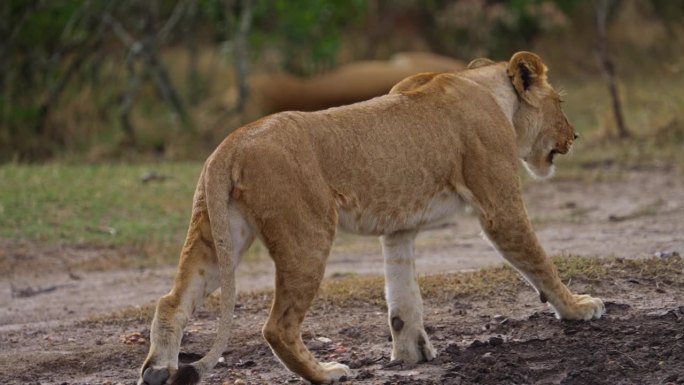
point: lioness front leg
(504, 220)
(410, 343)
(516, 242)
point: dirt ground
(60, 324)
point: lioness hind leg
(197, 277)
(296, 287)
(410, 342)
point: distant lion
(391, 166)
(348, 83)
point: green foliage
(307, 34)
(48, 29)
(66, 74)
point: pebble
(667, 254)
(495, 341)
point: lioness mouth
(552, 153)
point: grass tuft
(353, 289)
(571, 267)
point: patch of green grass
(96, 204)
(104, 205)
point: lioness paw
(583, 307)
(412, 346)
(153, 376)
(335, 371)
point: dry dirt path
(637, 214)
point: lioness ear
(526, 70)
(480, 62)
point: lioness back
(384, 161)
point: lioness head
(542, 127)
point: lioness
(390, 166)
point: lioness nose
(576, 135)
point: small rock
(495, 341)
(452, 349)
(150, 176)
(488, 358)
(667, 254)
(133, 338)
(364, 375)
(394, 364)
(315, 345)
(351, 331)
(325, 340)
(615, 218)
(662, 313)
(341, 350)
(246, 364)
(240, 382)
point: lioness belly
(379, 219)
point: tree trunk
(193, 77)
(608, 67)
(240, 52)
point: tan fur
(391, 166)
(480, 62)
(349, 83)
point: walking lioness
(390, 166)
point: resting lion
(349, 83)
(390, 166)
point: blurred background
(93, 81)
(109, 108)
